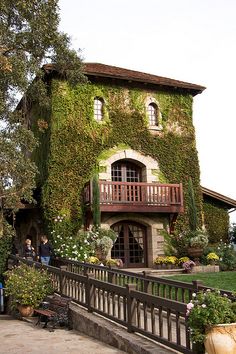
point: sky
(187, 40)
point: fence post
(197, 284)
(147, 286)
(111, 276)
(131, 307)
(63, 280)
(90, 292)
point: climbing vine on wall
(216, 222)
(76, 141)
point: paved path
(20, 337)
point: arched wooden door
(130, 245)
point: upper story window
(153, 114)
(98, 108)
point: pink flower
(190, 305)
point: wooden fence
(158, 286)
(153, 307)
(155, 317)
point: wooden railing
(154, 307)
(157, 286)
(119, 196)
(157, 318)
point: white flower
(204, 306)
(194, 294)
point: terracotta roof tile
(103, 70)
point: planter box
(206, 269)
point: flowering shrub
(208, 308)
(182, 260)
(27, 285)
(80, 246)
(104, 244)
(188, 265)
(227, 256)
(171, 260)
(74, 248)
(93, 260)
(212, 257)
(103, 239)
(114, 262)
(198, 238)
(159, 260)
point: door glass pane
(118, 250)
(136, 251)
(129, 245)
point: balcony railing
(137, 197)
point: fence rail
(153, 307)
(155, 317)
(157, 286)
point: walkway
(20, 337)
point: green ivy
(75, 142)
(216, 222)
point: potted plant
(171, 261)
(212, 258)
(159, 261)
(103, 240)
(181, 260)
(93, 260)
(27, 287)
(188, 266)
(114, 263)
(197, 241)
(211, 318)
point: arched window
(153, 114)
(98, 108)
(125, 171)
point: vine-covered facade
(135, 133)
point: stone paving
(20, 337)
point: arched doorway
(130, 245)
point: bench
(55, 311)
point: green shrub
(27, 285)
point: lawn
(221, 280)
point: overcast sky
(188, 40)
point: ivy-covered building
(119, 150)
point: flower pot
(221, 339)
(195, 252)
(25, 310)
(100, 254)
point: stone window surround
(98, 108)
(147, 164)
(152, 100)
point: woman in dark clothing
(45, 250)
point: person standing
(28, 251)
(45, 250)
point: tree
(29, 38)
(192, 209)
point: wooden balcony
(137, 197)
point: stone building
(122, 145)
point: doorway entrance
(130, 245)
